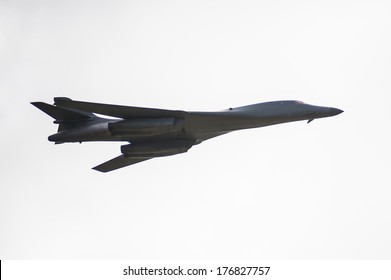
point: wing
(125, 112)
(118, 162)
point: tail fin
(63, 116)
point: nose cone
(334, 111)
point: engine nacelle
(90, 131)
(147, 127)
(157, 149)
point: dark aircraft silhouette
(158, 133)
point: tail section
(62, 114)
(65, 117)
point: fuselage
(192, 126)
(205, 124)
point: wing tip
(38, 104)
(100, 169)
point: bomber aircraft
(157, 133)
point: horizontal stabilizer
(62, 114)
(125, 112)
(118, 162)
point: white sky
(292, 191)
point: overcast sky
(292, 191)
